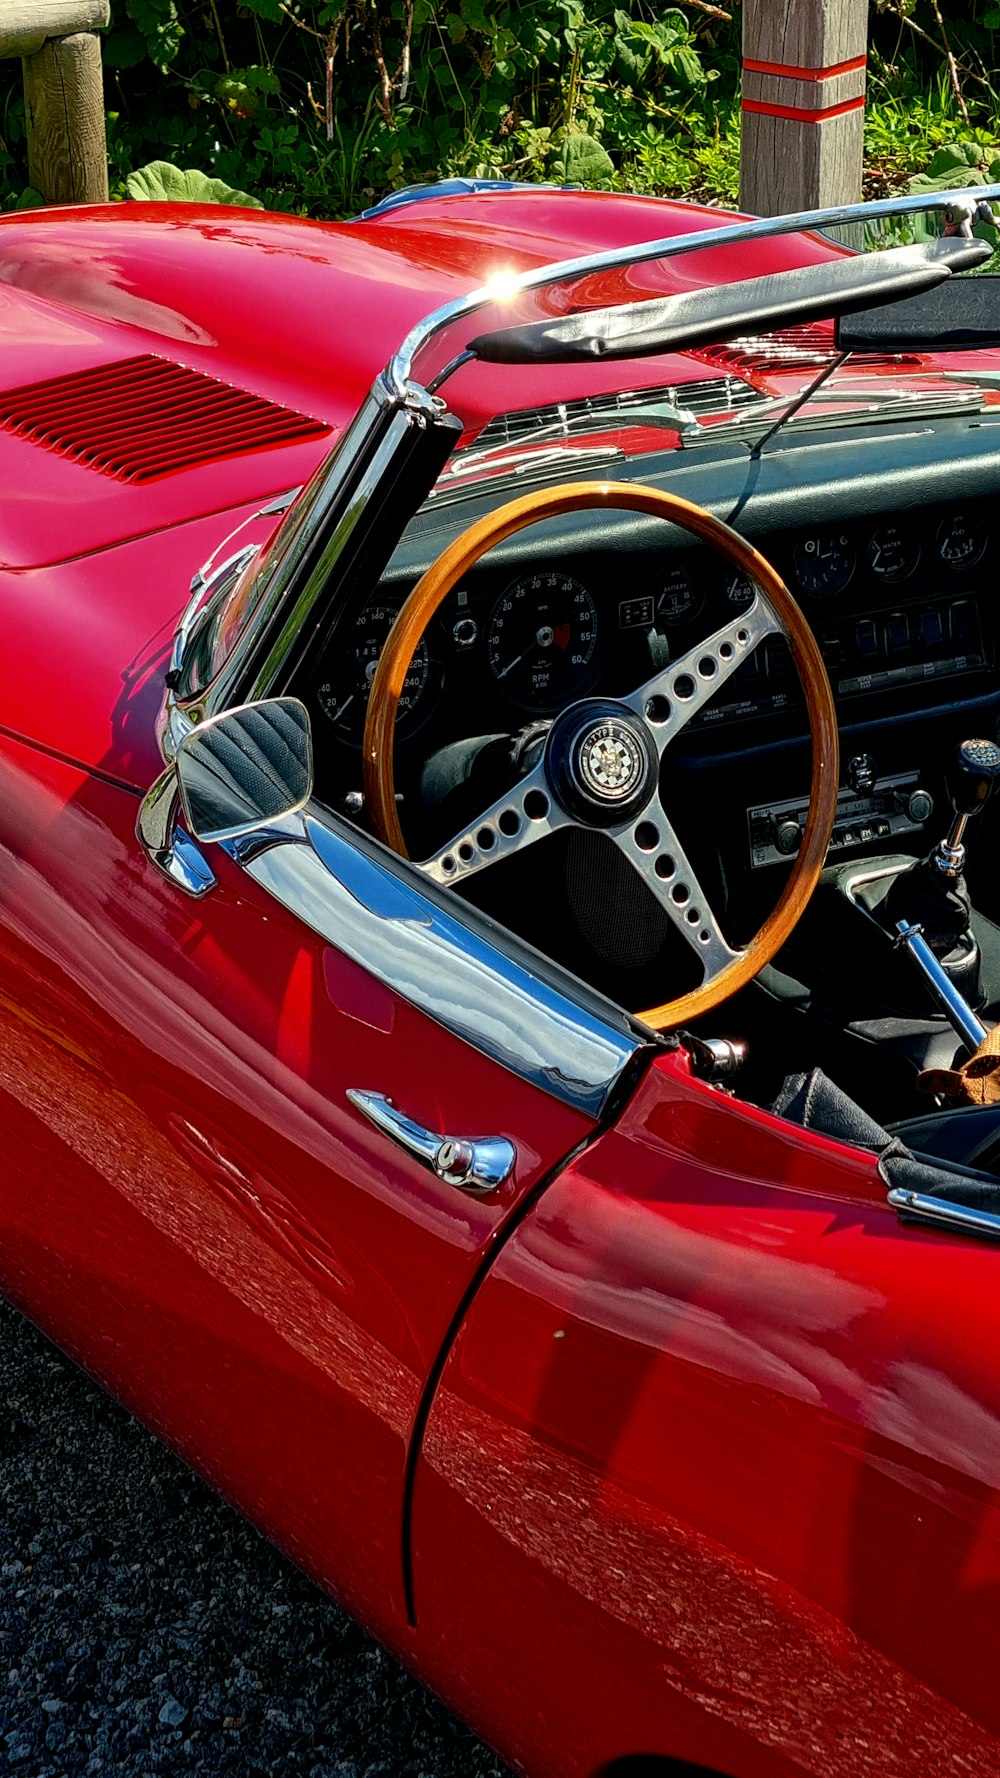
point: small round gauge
(893, 552)
(678, 600)
(824, 563)
(541, 638)
(343, 696)
(739, 592)
(961, 540)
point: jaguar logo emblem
(610, 761)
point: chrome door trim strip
(956, 1219)
(406, 939)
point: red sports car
(497, 936)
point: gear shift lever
(974, 772)
(932, 895)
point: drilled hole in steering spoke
(657, 709)
(726, 651)
(680, 893)
(466, 852)
(448, 864)
(692, 916)
(665, 867)
(536, 805)
(486, 839)
(707, 668)
(647, 837)
(684, 687)
(509, 823)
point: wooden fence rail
(63, 93)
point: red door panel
(189, 1204)
(715, 1465)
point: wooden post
(803, 104)
(63, 92)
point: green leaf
(954, 158)
(161, 183)
(631, 62)
(259, 80)
(685, 67)
(30, 199)
(579, 160)
(160, 27)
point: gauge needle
(510, 667)
(344, 706)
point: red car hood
(299, 315)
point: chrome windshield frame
(399, 372)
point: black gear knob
(974, 771)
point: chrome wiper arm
(869, 407)
(400, 369)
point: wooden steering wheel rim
(433, 588)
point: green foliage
(324, 106)
(594, 92)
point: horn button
(601, 763)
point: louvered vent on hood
(145, 417)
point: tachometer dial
(894, 552)
(961, 540)
(541, 640)
(343, 696)
(824, 563)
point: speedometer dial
(541, 640)
(343, 695)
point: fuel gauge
(962, 540)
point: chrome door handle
(478, 1165)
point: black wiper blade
(713, 315)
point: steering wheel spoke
(668, 701)
(652, 847)
(524, 814)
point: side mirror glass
(245, 769)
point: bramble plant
(324, 106)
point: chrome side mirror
(245, 768)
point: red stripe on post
(792, 73)
(798, 115)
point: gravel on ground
(145, 1627)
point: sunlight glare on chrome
(501, 285)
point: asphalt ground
(146, 1628)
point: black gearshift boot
(940, 905)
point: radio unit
(892, 807)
